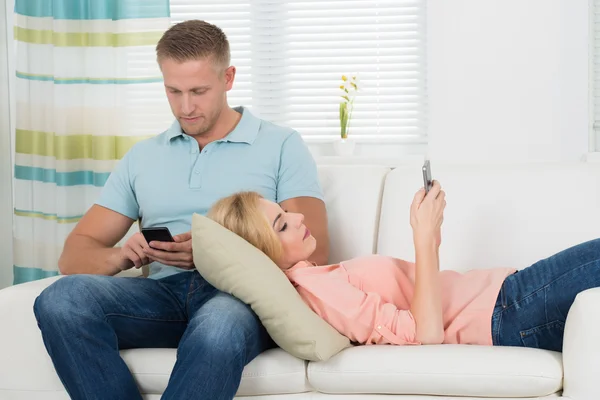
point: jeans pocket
(548, 336)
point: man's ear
(229, 77)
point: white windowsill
(593, 157)
(389, 162)
(386, 151)
(372, 139)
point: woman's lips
(307, 233)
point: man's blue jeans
(532, 306)
(86, 319)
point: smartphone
(158, 234)
(427, 181)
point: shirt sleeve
(117, 193)
(298, 175)
(361, 316)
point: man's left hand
(177, 254)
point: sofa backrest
(497, 215)
(353, 198)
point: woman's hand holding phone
(427, 215)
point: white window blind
(290, 56)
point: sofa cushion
(234, 266)
(272, 372)
(450, 370)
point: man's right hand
(132, 253)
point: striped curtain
(87, 89)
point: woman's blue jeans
(533, 303)
(86, 319)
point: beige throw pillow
(234, 266)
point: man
(210, 151)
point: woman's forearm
(426, 305)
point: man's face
(196, 91)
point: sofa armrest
(581, 347)
(24, 362)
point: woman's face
(297, 242)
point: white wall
(5, 157)
(508, 80)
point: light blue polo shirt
(165, 179)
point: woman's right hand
(427, 215)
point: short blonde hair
(194, 40)
(241, 214)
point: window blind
(291, 55)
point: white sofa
(497, 215)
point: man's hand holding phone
(132, 253)
(177, 253)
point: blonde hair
(241, 214)
(193, 40)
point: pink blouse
(368, 299)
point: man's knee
(228, 326)
(60, 301)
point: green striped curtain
(88, 87)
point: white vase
(344, 147)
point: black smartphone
(427, 181)
(158, 234)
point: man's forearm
(84, 255)
(427, 303)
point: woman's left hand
(427, 214)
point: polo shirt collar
(174, 131)
(245, 131)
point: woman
(384, 300)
